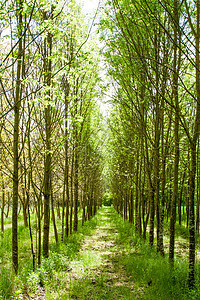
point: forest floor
(105, 259)
(97, 272)
(104, 277)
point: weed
(6, 285)
(149, 269)
(5, 243)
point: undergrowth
(27, 282)
(148, 269)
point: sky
(89, 9)
(89, 6)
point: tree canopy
(58, 151)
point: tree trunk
(192, 218)
(125, 205)
(53, 213)
(131, 206)
(176, 134)
(137, 194)
(2, 205)
(63, 212)
(84, 202)
(181, 196)
(58, 208)
(193, 147)
(17, 106)
(164, 153)
(8, 205)
(47, 162)
(31, 237)
(152, 214)
(71, 193)
(187, 205)
(198, 192)
(66, 171)
(76, 188)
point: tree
(17, 106)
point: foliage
(6, 284)
(149, 269)
(53, 136)
(28, 281)
(107, 199)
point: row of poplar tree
(50, 145)
(152, 49)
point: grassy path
(103, 260)
(97, 272)
(113, 263)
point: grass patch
(6, 285)
(151, 274)
(28, 282)
(5, 245)
(156, 275)
(150, 270)
(98, 287)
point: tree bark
(176, 134)
(17, 106)
(53, 213)
(47, 162)
(2, 205)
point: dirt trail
(98, 273)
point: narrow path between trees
(97, 273)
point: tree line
(50, 143)
(152, 52)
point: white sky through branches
(89, 9)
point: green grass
(153, 272)
(6, 287)
(5, 245)
(97, 288)
(94, 278)
(150, 272)
(60, 254)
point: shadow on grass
(148, 269)
(99, 287)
